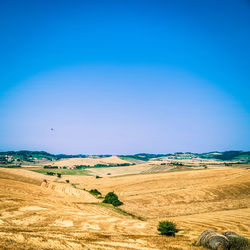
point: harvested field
(191, 162)
(56, 215)
(149, 168)
(45, 217)
(236, 220)
(88, 161)
(178, 193)
(115, 171)
(69, 190)
(24, 175)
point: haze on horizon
(125, 77)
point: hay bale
(230, 234)
(213, 240)
(236, 241)
(202, 239)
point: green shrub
(167, 228)
(59, 175)
(50, 167)
(67, 181)
(238, 243)
(11, 166)
(50, 173)
(95, 192)
(173, 163)
(97, 177)
(112, 198)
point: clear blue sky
(123, 77)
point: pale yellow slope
(89, 161)
(178, 193)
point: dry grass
(57, 216)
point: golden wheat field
(56, 215)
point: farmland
(60, 215)
(62, 171)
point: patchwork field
(56, 215)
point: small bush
(59, 175)
(112, 198)
(50, 167)
(95, 192)
(67, 181)
(97, 177)
(51, 173)
(167, 228)
(238, 243)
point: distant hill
(33, 156)
(85, 162)
(227, 155)
(142, 156)
(25, 155)
(36, 156)
(224, 156)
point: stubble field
(57, 215)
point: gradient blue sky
(123, 77)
